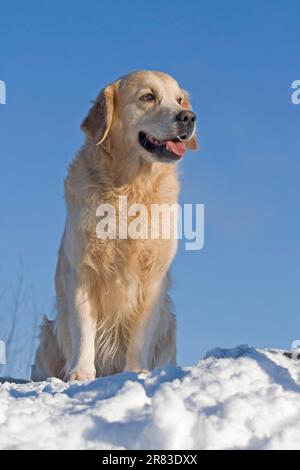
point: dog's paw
(80, 376)
(143, 373)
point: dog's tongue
(176, 147)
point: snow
(239, 398)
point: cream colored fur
(113, 308)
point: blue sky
(238, 60)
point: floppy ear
(97, 123)
(191, 144)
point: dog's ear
(98, 122)
(191, 144)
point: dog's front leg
(82, 325)
(137, 356)
(141, 338)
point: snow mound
(239, 398)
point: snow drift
(241, 398)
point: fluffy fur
(113, 308)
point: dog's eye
(180, 100)
(148, 97)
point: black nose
(187, 117)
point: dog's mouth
(164, 150)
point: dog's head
(145, 113)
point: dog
(114, 312)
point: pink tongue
(176, 147)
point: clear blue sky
(238, 60)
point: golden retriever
(114, 313)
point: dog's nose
(186, 117)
